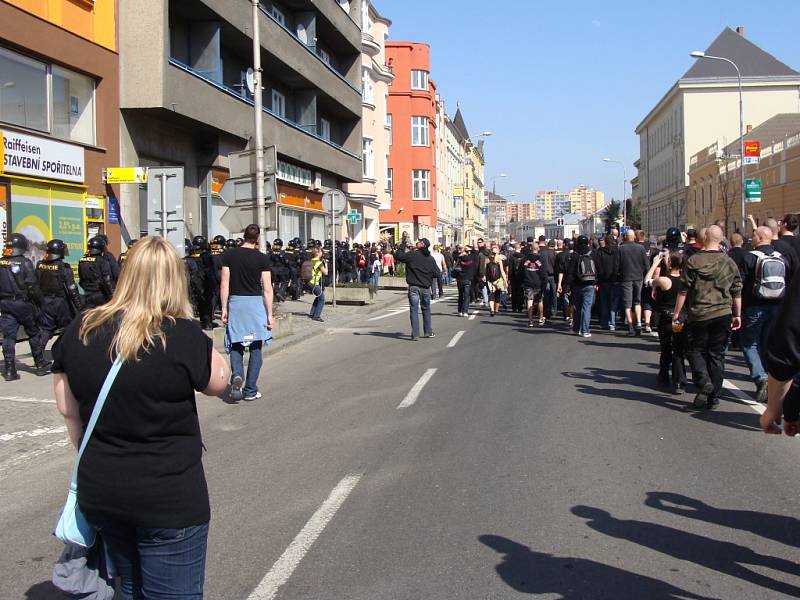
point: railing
(246, 99)
(308, 49)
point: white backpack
(769, 282)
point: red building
(412, 156)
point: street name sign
(752, 190)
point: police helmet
(298, 242)
(278, 243)
(199, 242)
(231, 243)
(239, 241)
(56, 249)
(219, 241)
(17, 244)
(96, 245)
(673, 237)
(328, 242)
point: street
(493, 461)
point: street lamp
(495, 178)
(699, 55)
(624, 188)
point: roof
(460, 125)
(751, 60)
(770, 131)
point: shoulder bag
(72, 526)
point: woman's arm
(68, 407)
(266, 284)
(224, 292)
(220, 375)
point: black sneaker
(429, 335)
(414, 338)
(702, 399)
(631, 332)
(236, 388)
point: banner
(40, 157)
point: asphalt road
(503, 463)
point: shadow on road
(572, 578)
(724, 557)
(780, 528)
(44, 591)
(395, 335)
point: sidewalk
(304, 328)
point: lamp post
(699, 55)
(494, 179)
(624, 188)
(259, 130)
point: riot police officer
(124, 256)
(204, 282)
(294, 255)
(61, 301)
(217, 250)
(107, 256)
(231, 243)
(280, 270)
(19, 297)
(95, 274)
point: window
(420, 184)
(388, 125)
(278, 104)
(73, 106)
(302, 35)
(278, 15)
(367, 88)
(419, 131)
(389, 180)
(323, 54)
(419, 80)
(23, 91)
(367, 158)
(325, 129)
(366, 22)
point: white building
(703, 106)
(451, 156)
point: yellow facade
(93, 20)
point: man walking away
(421, 271)
(764, 276)
(607, 259)
(533, 281)
(438, 283)
(712, 286)
(465, 268)
(633, 265)
(582, 271)
(246, 296)
(547, 256)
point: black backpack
(587, 271)
(493, 272)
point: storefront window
(316, 227)
(23, 91)
(73, 106)
(290, 223)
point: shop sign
(294, 174)
(458, 192)
(752, 152)
(125, 175)
(39, 157)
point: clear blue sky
(563, 84)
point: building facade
(451, 156)
(374, 192)
(59, 121)
(551, 204)
(585, 201)
(496, 223)
(412, 158)
(702, 106)
(715, 177)
(187, 100)
(475, 194)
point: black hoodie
(607, 259)
(421, 267)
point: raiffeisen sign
(41, 158)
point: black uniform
(19, 299)
(96, 279)
(61, 301)
(280, 273)
(203, 282)
(293, 262)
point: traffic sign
(752, 190)
(354, 216)
(752, 152)
(334, 200)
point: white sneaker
(586, 335)
(252, 397)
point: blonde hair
(152, 287)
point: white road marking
(7, 437)
(283, 568)
(473, 315)
(23, 458)
(455, 339)
(412, 395)
(391, 313)
(26, 400)
(743, 396)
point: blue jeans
(253, 365)
(156, 562)
(374, 279)
(753, 336)
(608, 301)
(319, 301)
(584, 297)
(419, 298)
(550, 297)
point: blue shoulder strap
(98, 406)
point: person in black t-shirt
(141, 481)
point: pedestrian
(438, 283)
(533, 281)
(388, 263)
(448, 261)
(547, 256)
(375, 270)
(608, 274)
(497, 280)
(20, 297)
(582, 275)
(711, 290)
(633, 264)
(465, 268)
(154, 517)
(563, 260)
(764, 273)
(95, 275)
(421, 270)
(246, 295)
(204, 284)
(671, 339)
(479, 285)
(318, 271)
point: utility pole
(259, 135)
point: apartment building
(374, 191)
(187, 100)
(496, 223)
(702, 106)
(585, 201)
(412, 158)
(551, 204)
(521, 211)
(59, 121)
(451, 157)
(715, 178)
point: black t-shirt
(143, 462)
(246, 265)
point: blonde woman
(140, 481)
(497, 279)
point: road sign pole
(333, 248)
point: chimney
(740, 30)
(749, 128)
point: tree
(634, 216)
(611, 214)
(726, 195)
